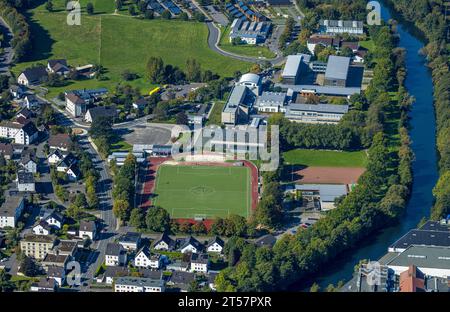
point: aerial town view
(224, 146)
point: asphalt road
(8, 52)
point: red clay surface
(149, 178)
(330, 175)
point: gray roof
(179, 277)
(271, 98)
(320, 108)
(199, 258)
(423, 238)
(328, 90)
(130, 237)
(328, 192)
(337, 67)
(236, 98)
(115, 271)
(87, 226)
(292, 65)
(423, 257)
(435, 226)
(335, 23)
(55, 271)
(113, 249)
(140, 281)
(25, 177)
(8, 209)
(250, 77)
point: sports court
(202, 191)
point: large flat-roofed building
(292, 68)
(337, 71)
(420, 237)
(271, 102)
(333, 27)
(431, 260)
(249, 32)
(11, 210)
(138, 284)
(324, 193)
(238, 105)
(37, 246)
(315, 113)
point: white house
(115, 255)
(191, 245)
(42, 228)
(87, 229)
(45, 284)
(130, 241)
(58, 67)
(75, 105)
(25, 182)
(66, 163)
(139, 284)
(24, 134)
(29, 162)
(215, 245)
(199, 263)
(54, 220)
(58, 273)
(164, 242)
(55, 157)
(73, 173)
(11, 210)
(32, 76)
(31, 101)
(144, 259)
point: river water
(419, 84)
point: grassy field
(321, 158)
(203, 191)
(243, 49)
(120, 42)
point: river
(423, 127)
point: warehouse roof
(423, 257)
(337, 67)
(321, 108)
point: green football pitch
(203, 191)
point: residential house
(139, 103)
(58, 67)
(130, 241)
(87, 229)
(100, 111)
(24, 134)
(164, 242)
(111, 273)
(7, 151)
(37, 246)
(29, 161)
(57, 273)
(216, 244)
(51, 259)
(66, 247)
(178, 266)
(66, 163)
(144, 259)
(139, 284)
(31, 101)
(180, 280)
(199, 262)
(73, 173)
(115, 255)
(55, 157)
(191, 245)
(11, 210)
(17, 91)
(32, 76)
(42, 228)
(75, 105)
(25, 182)
(53, 219)
(45, 284)
(25, 113)
(61, 141)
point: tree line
(21, 42)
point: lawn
(216, 113)
(243, 49)
(203, 191)
(321, 158)
(120, 42)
